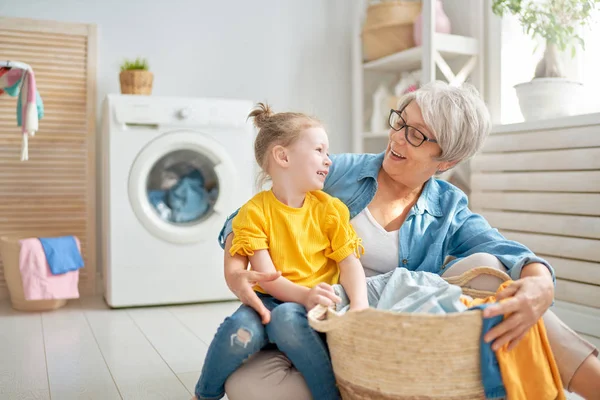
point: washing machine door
(181, 185)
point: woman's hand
(321, 294)
(241, 283)
(526, 300)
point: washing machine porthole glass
(182, 187)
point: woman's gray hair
(457, 116)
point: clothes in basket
(407, 291)
(39, 280)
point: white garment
(383, 254)
(402, 290)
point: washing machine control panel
(184, 113)
(196, 112)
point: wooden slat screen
(53, 193)
(541, 187)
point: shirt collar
(371, 168)
(429, 200)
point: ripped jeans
(243, 334)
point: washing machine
(173, 169)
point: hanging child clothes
(18, 79)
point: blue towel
(62, 254)
(490, 370)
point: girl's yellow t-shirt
(305, 243)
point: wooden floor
(88, 351)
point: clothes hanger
(15, 64)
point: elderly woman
(408, 219)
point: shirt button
(405, 261)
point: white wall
(293, 53)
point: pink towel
(38, 281)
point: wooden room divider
(53, 193)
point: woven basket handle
(317, 318)
(468, 276)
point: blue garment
(490, 370)
(440, 224)
(188, 199)
(243, 334)
(62, 254)
(14, 89)
(158, 199)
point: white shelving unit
(449, 46)
(435, 52)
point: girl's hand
(241, 283)
(526, 300)
(321, 294)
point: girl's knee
(288, 314)
(288, 324)
(244, 329)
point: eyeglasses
(413, 136)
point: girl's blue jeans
(243, 334)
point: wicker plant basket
(136, 82)
(380, 355)
(388, 28)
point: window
(519, 61)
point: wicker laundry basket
(10, 249)
(388, 28)
(379, 354)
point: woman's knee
(244, 330)
(483, 282)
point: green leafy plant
(137, 64)
(558, 22)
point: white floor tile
(181, 349)
(138, 370)
(204, 319)
(22, 355)
(76, 368)
(189, 379)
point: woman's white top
(381, 246)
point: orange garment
(529, 370)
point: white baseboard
(581, 319)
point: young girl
(304, 233)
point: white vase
(547, 98)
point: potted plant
(135, 77)
(549, 94)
